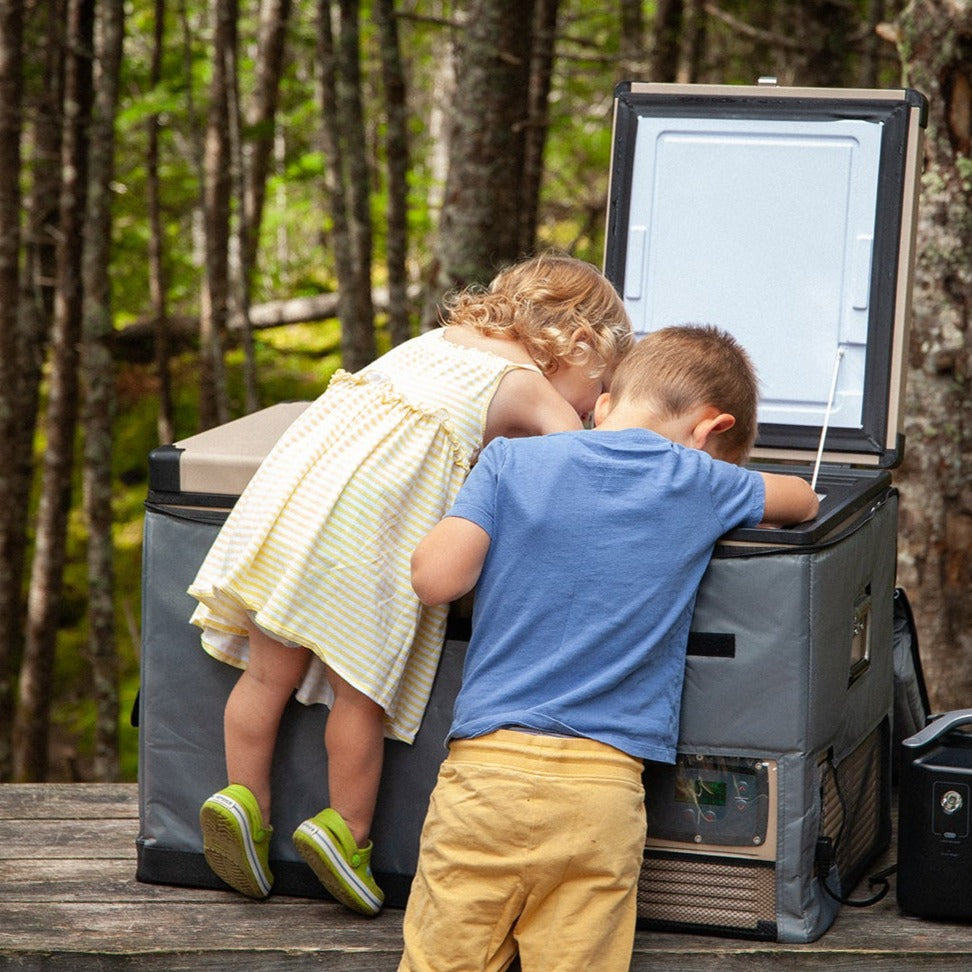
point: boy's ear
(602, 407)
(712, 423)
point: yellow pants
(532, 845)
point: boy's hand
(789, 499)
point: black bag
(911, 709)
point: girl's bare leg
(354, 738)
(253, 711)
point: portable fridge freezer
(785, 216)
(783, 765)
(192, 486)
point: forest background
(207, 205)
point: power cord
(827, 851)
(825, 857)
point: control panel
(725, 804)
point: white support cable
(826, 422)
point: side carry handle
(938, 728)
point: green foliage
(963, 166)
(295, 255)
(164, 101)
(295, 363)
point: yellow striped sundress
(316, 550)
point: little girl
(307, 585)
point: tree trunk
(632, 46)
(347, 177)
(43, 118)
(31, 728)
(538, 119)
(479, 227)
(869, 71)
(98, 376)
(11, 519)
(829, 26)
(441, 111)
(214, 303)
(260, 120)
(397, 152)
(358, 347)
(695, 46)
(769, 22)
(238, 282)
(935, 541)
(189, 29)
(158, 285)
(668, 37)
(333, 151)
(253, 165)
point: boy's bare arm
(789, 499)
(447, 562)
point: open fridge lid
(787, 217)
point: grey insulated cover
(789, 686)
(808, 679)
(181, 757)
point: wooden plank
(84, 880)
(61, 821)
(66, 801)
(283, 932)
(770, 960)
(69, 899)
(227, 923)
(71, 838)
(230, 925)
(186, 960)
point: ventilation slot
(854, 809)
(694, 891)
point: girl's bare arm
(526, 403)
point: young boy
(586, 550)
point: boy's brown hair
(678, 368)
(546, 303)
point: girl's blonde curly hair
(555, 306)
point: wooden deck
(69, 900)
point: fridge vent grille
(852, 808)
(711, 893)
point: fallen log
(136, 341)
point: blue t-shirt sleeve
(476, 500)
(738, 494)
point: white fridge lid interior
(788, 222)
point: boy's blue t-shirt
(598, 542)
